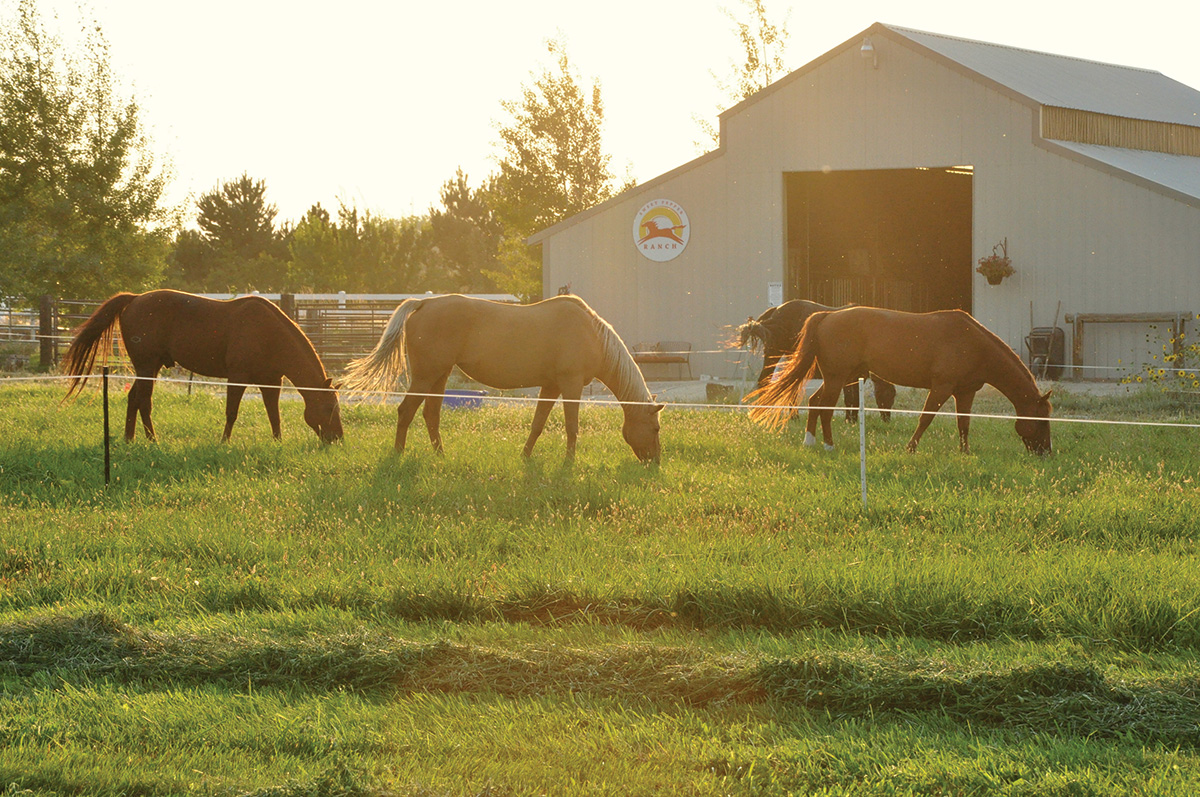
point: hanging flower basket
(996, 266)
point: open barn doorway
(898, 238)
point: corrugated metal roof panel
(1179, 173)
(1070, 82)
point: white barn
(881, 172)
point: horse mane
(752, 334)
(293, 329)
(1011, 358)
(628, 382)
(1006, 351)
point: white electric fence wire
(609, 401)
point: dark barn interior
(898, 238)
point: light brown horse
(247, 340)
(559, 345)
(947, 352)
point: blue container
(463, 399)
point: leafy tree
(244, 249)
(553, 166)
(763, 46)
(188, 261)
(81, 198)
(466, 236)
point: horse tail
(90, 338)
(384, 367)
(775, 402)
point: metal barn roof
(1069, 82)
(1178, 173)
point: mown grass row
(1069, 698)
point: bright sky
(378, 102)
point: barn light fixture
(868, 51)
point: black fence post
(106, 436)
(287, 303)
(46, 333)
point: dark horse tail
(92, 337)
(776, 402)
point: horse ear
(1047, 394)
(658, 407)
(328, 382)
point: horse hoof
(810, 439)
(828, 447)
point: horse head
(1035, 428)
(640, 430)
(323, 412)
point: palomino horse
(778, 329)
(246, 340)
(947, 352)
(559, 345)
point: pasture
(286, 618)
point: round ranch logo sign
(661, 230)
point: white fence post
(862, 439)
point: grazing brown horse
(777, 331)
(947, 352)
(247, 340)
(559, 345)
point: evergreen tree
(466, 236)
(316, 264)
(245, 252)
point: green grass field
(282, 618)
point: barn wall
(1078, 235)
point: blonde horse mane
(628, 382)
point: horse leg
(850, 394)
(270, 397)
(433, 412)
(885, 397)
(131, 410)
(933, 402)
(147, 404)
(962, 405)
(233, 401)
(139, 401)
(571, 417)
(821, 407)
(404, 416)
(770, 360)
(546, 398)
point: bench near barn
(675, 355)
